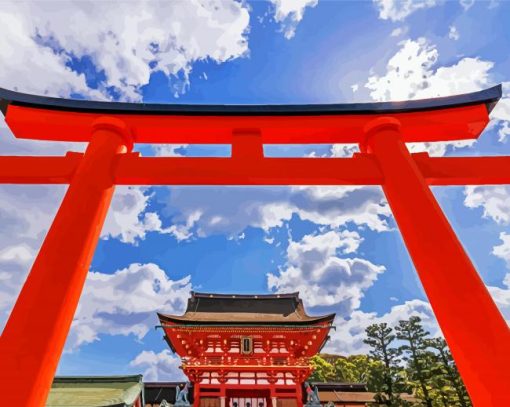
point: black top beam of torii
(489, 97)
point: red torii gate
(34, 336)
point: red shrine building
(246, 348)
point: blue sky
(338, 246)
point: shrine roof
(96, 391)
(226, 309)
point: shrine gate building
(246, 348)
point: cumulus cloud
(322, 277)
(127, 219)
(348, 336)
(412, 73)
(289, 13)
(494, 200)
(126, 302)
(503, 251)
(41, 40)
(162, 366)
(204, 211)
(398, 10)
(350, 332)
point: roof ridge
(195, 294)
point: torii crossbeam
(34, 336)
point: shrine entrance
(34, 336)
(248, 398)
(238, 348)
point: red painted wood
(34, 336)
(473, 327)
(475, 330)
(191, 343)
(431, 125)
(361, 169)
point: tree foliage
(388, 379)
(401, 360)
(419, 359)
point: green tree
(353, 369)
(323, 371)
(440, 391)
(414, 351)
(448, 371)
(387, 375)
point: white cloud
(494, 200)
(412, 73)
(453, 34)
(289, 13)
(322, 278)
(162, 366)
(349, 334)
(398, 10)
(503, 250)
(40, 37)
(167, 150)
(344, 150)
(30, 67)
(502, 295)
(204, 211)
(397, 32)
(126, 302)
(502, 113)
(127, 219)
(467, 4)
(439, 149)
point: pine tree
(451, 374)
(380, 338)
(441, 393)
(414, 351)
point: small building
(104, 391)
(349, 394)
(246, 350)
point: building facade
(246, 350)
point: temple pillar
(474, 329)
(34, 336)
(274, 401)
(223, 401)
(196, 393)
(299, 393)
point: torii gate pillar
(55, 283)
(476, 332)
